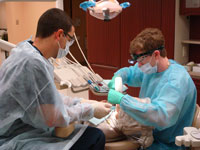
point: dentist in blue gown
(169, 86)
(30, 105)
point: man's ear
(58, 34)
(157, 54)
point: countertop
(195, 75)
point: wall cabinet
(108, 42)
(194, 49)
(189, 7)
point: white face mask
(148, 69)
(63, 52)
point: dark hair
(52, 20)
(147, 40)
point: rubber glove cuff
(114, 97)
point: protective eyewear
(141, 57)
(71, 37)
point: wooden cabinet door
(103, 47)
(103, 44)
(168, 25)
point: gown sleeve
(131, 76)
(43, 105)
(165, 107)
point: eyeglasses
(141, 57)
(71, 37)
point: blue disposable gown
(173, 100)
(31, 106)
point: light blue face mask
(63, 52)
(148, 69)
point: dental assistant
(169, 86)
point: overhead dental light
(104, 9)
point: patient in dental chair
(120, 125)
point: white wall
(181, 33)
(2, 15)
(59, 4)
(22, 18)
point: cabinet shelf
(191, 42)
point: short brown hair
(147, 40)
(52, 20)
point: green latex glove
(114, 97)
(111, 84)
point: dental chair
(191, 137)
(180, 140)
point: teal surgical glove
(114, 97)
(111, 84)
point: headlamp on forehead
(104, 9)
(136, 57)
